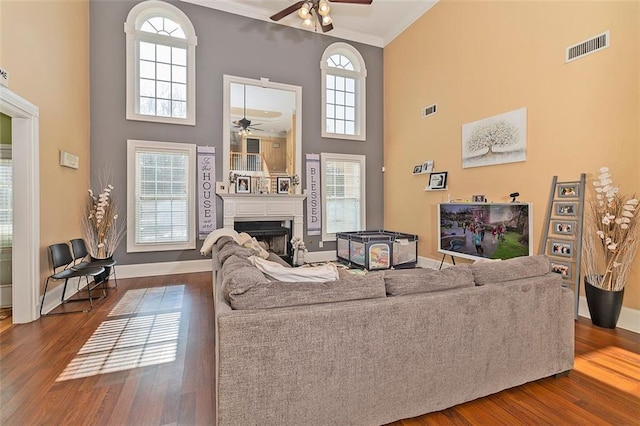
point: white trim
(362, 159)
(359, 75)
(26, 205)
(164, 268)
(190, 149)
(136, 17)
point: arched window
(343, 93)
(161, 57)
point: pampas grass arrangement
(101, 229)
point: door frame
(26, 205)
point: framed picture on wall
(438, 180)
(417, 169)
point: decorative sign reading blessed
(206, 194)
(314, 210)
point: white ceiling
(376, 24)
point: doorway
(26, 207)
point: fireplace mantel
(256, 207)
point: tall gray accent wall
(227, 44)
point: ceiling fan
(244, 124)
(320, 8)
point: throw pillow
(510, 269)
(401, 282)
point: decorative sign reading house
(206, 191)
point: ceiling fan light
(307, 22)
(323, 8)
(326, 20)
(304, 11)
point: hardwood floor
(603, 388)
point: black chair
(81, 254)
(61, 258)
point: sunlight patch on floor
(615, 366)
(134, 341)
(149, 300)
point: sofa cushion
(410, 281)
(276, 294)
(239, 275)
(511, 269)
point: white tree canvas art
(495, 140)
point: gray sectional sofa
(368, 350)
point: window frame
(362, 159)
(360, 76)
(139, 14)
(134, 146)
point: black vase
(103, 276)
(604, 305)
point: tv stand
(453, 260)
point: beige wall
(479, 59)
(45, 48)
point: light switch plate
(69, 160)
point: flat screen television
(485, 230)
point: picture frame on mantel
(283, 184)
(243, 185)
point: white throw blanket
(278, 272)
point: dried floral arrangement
(611, 236)
(101, 229)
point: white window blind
(6, 200)
(343, 193)
(161, 211)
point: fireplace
(275, 234)
(278, 210)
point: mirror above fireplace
(262, 128)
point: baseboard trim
(163, 268)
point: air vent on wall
(426, 111)
(587, 47)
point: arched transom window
(343, 93)
(160, 64)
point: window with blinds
(163, 202)
(343, 193)
(6, 198)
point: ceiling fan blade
(353, 1)
(284, 12)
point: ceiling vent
(587, 47)
(430, 110)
